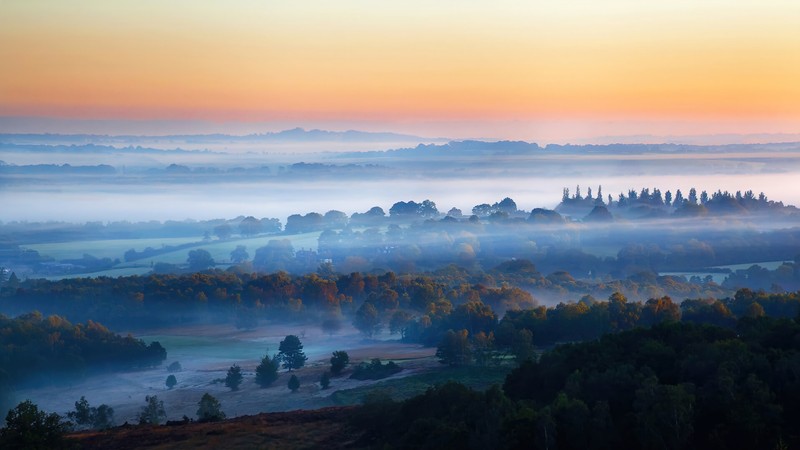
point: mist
(137, 184)
(205, 352)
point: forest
(675, 385)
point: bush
(294, 383)
(171, 381)
(209, 409)
(234, 377)
(375, 370)
(339, 361)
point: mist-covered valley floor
(206, 352)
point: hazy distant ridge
(476, 148)
(292, 135)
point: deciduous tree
(31, 429)
(154, 413)
(339, 361)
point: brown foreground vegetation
(322, 428)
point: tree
(522, 346)
(250, 226)
(692, 196)
(171, 381)
(209, 409)
(506, 205)
(31, 429)
(335, 219)
(367, 320)
(325, 381)
(103, 417)
(276, 255)
(200, 259)
(399, 322)
(294, 383)
(82, 414)
(339, 361)
(223, 231)
(454, 349)
(234, 377)
(239, 254)
(664, 415)
(153, 413)
(87, 416)
(331, 325)
(483, 349)
(267, 371)
(291, 353)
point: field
(407, 387)
(205, 354)
(116, 248)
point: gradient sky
(554, 69)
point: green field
(479, 378)
(111, 248)
(116, 248)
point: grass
(109, 248)
(407, 387)
(116, 248)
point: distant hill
(292, 135)
(522, 148)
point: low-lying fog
(152, 184)
(279, 199)
(205, 354)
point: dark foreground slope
(324, 428)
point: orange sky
(583, 63)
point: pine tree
(234, 377)
(267, 371)
(294, 383)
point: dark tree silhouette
(200, 259)
(339, 361)
(234, 377)
(294, 383)
(31, 429)
(154, 413)
(291, 353)
(267, 371)
(209, 409)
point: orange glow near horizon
(357, 60)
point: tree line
(36, 349)
(675, 385)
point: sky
(546, 70)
